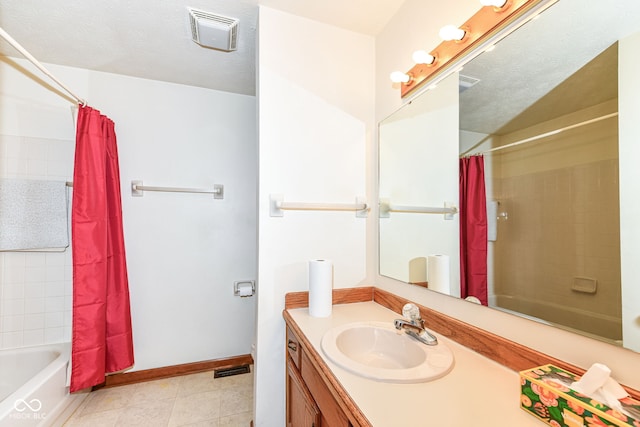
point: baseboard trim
(125, 378)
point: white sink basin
(378, 351)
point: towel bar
(277, 206)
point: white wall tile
(13, 273)
(53, 304)
(54, 320)
(34, 321)
(11, 339)
(35, 259)
(53, 335)
(13, 307)
(11, 323)
(33, 337)
(55, 289)
(34, 305)
(35, 274)
(34, 290)
(13, 291)
(54, 273)
(55, 259)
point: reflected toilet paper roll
(320, 287)
(438, 273)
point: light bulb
(494, 3)
(422, 57)
(451, 32)
(399, 77)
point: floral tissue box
(546, 394)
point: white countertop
(477, 392)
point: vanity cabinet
(310, 402)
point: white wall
(184, 251)
(418, 21)
(315, 124)
(425, 134)
(629, 153)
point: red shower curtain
(101, 335)
(473, 229)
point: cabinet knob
(292, 345)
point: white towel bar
(448, 210)
(277, 206)
(137, 189)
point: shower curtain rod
(550, 133)
(536, 137)
(35, 62)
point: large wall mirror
(553, 110)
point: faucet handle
(411, 312)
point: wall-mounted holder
(244, 288)
(277, 206)
(585, 285)
(138, 189)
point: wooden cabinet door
(302, 411)
(332, 414)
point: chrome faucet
(414, 327)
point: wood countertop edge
(510, 354)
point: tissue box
(546, 394)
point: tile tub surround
(196, 399)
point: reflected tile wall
(563, 223)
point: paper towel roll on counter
(438, 273)
(320, 287)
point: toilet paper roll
(245, 290)
(320, 287)
(438, 273)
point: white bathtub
(33, 389)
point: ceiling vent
(465, 82)
(214, 31)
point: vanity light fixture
(495, 3)
(483, 25)
(451, 32)
(423, 57)
(400, 77)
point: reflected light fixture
(451, 32)
(423, 57)
(399, 77)
(494, 3)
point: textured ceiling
(152, 39)
(548, 64)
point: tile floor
(190, 400)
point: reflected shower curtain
(473, 229)
(101, 335)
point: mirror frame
(486, 26)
